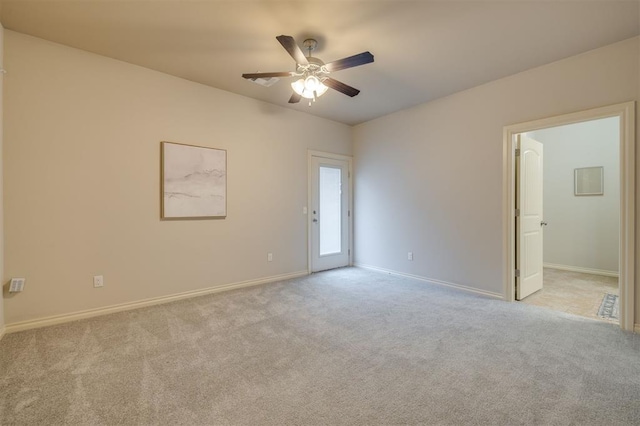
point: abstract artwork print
(194, 182)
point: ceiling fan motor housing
(315, 68)
(315, 64)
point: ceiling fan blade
(340, 87)
(350, 62)
(295, 98)
(290, 46)
(267, 75)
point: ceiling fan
(313, 74)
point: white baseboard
(59, 319)
(636, 328)
(433, 281)
(583, 270)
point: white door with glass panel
(329, 213)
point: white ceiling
(423, 49)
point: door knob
(315, 220)
(543, 223)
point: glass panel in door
(330, 210)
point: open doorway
(626, 231)
(580, 218)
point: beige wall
(82, 151)
(1, 186)
(429, 179)
(637, 247)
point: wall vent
(17, 285)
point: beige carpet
(574, 292)
(344, 347)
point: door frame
(626, 282)
(331, 156)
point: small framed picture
(589, 181)
(194, 182)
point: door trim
(626, 113)
(331, 156)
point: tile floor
(573, 292)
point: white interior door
(329, 213)
(529, 222)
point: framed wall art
(194, 182)
(589, 181)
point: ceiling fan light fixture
(309, 88)
(311, 83)
(312, 73)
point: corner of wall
(1, 185)
(637, 277)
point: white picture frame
(589, 181)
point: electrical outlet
(17, 285)
(410, 255)
(98, 281)
(269, 257)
